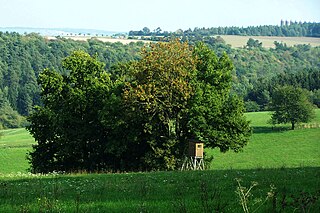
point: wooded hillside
(23, 57)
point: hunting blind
(196, 149)
(194, 158)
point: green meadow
(14, 144)
(274, 147)
(282, 167)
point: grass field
(284, 163)
(273, 148)
(205, 191)
(14, 144)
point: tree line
(288, 29)
(259, 97)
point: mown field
(268, 41)
(281, 165)
(233, 40)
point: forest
(286, 28)
(256, 72)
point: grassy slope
(273, 148)
(14, 144)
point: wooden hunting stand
(194, 160)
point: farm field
(233, 40)
(268, 41)
(104, 39)
(277, 161)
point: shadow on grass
(269, 129)
(155, 191)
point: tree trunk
(292, 125)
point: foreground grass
(199, 191)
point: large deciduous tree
(67, 128)
(215, 116)
(291, 105)
(158, 94)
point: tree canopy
(140, 117)
(291, 105)
(67, 128)
(216, 117)
(286, 28)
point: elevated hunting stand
(194, 160)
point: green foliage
(252, 106)
(158, 96)
(216, 117)
(9, 118)
(308, 79)
(291, 105)
(315, 95)
(253, 43)
(291, 29)
(178, 95)
(160, 100)
(22, 58)
(67, 128)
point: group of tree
(140, 115)
(291, 29)
(147, 32)
(259, 97)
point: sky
(169, 15)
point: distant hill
(58, 31)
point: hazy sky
(125, 15)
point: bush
(10, 118)
(252, 106)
